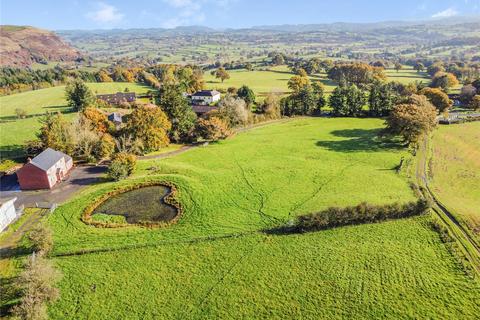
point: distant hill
(21, 46)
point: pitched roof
(203, 109)
(48, 158)
(205, 93)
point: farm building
(116, 118)
(45, 170)
(205, 97)
(119, 97)
(200, 110)
(8, 213)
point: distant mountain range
(21, 46)
(337, 26)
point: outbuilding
(45, 170)
(8, 213)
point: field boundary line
(468, 245)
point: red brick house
(45, 170)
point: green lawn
(14, 132)
(251, 182)
(456, 170)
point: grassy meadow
(14, 132)
(455, 171)
(275, 79)
(217, 263)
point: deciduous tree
(222, 74)
(444, 80)
(412, 119)
(438, 98)
(151, 125)
(212, 129)
(347, 100)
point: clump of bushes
(359, 214)
(42, 239)
(37, 284)
(123, 165)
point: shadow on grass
(9, 292)
(9, 295)
(359, 140)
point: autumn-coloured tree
(412, 120)
(212, 129)
(435, 68)
(103, 76)
(222, 74)
(475, 103)
(444, 80)
(123, 165)
(150, 125)
(438, 98)
(55, 132)
(270, 106)
(467, 93)
(296, 83)
(357, 73)
(37, 284)
(97, 118)
(105, 147)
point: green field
(275, 79)
(456, 171)
(217, 263)
(14, 132)
(53, 99)
(407, 75)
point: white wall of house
(61, 167)
(204, 100)
(7, 213)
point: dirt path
(12, 240)
(469, 246)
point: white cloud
(105, 14)
(447, 13)
(191, 12)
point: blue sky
(92, 14)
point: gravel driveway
(79, 178)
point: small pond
(140, 205)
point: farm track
(462, 236)
(16, 236)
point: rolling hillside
(21, 46)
